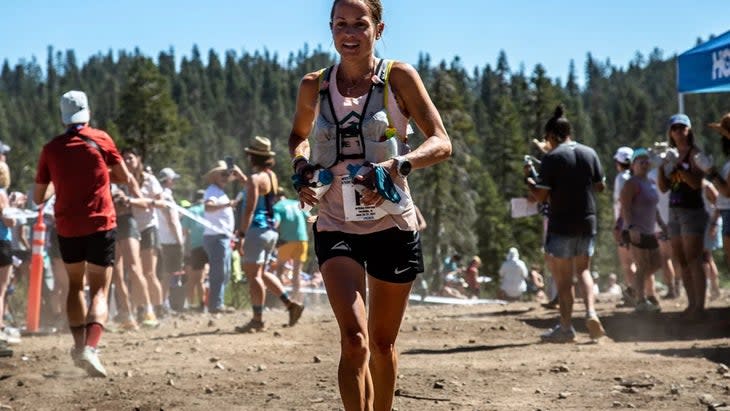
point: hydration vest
(375, 129)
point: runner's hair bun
(559, 111)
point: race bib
(354, 209)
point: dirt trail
(452, 358)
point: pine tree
(149, 117)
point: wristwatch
(403, 166)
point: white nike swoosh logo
(341, 246)
(401, 271)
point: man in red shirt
(78, 166)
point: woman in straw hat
(217, 241)
(721, 181)
(687, 216)
(258, 235)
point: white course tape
(14, 212)
(205, 223)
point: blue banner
(705, 68)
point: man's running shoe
(4, 350)
(595, 328)
(76, 354)
(559, 335)
(10, 336)
(652, 299)
(91, 363)
(251, 327)
(295, 312)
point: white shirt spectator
(167, 235)
(513, 275)
(147, 217)
(618, 184)
(222, 218)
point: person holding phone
(217, 239)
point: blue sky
(531, 32)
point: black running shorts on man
(390, 255)
(96, 248)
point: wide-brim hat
(260, 146)
(219, 166)
(723, 126)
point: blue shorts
(259, 244)
(687, 221)
(569, 246)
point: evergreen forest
(187, 113)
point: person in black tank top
(687, 215)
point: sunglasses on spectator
(676, 127)
(225, 173)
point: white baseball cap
(168, 174)
(623, 155)
(75, 108)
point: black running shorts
(390, 255)
(6, 253)
(96, 248)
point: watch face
(404, 168)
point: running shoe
(162, 311)
(9, 335)
(76, 356)
(149, 320)
(646, 306)
(628, 298)
(90, 361)
(652, 299)
(4, 350)
(295, 312)
(595, 328)
(552, 304)
(559, 335)
(222, 310)
(251, 327)
(129, 325)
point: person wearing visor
(681, 175)
(639, 198)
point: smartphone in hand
(229, 163)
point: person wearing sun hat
(216, 242)
(622, 159)
(682, 178)
(258, 235)
(721, 181)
